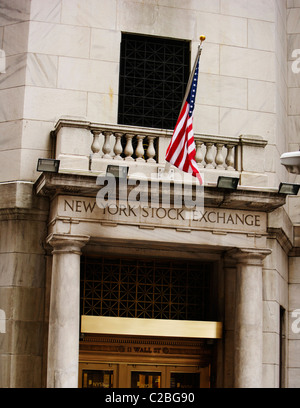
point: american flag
(181, 151)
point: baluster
(128, 148)
(219, 156)
(209, 156)
(95, 147)
(106, 145)
(199, 154)
(139, 151)
(118, 146)
(151, 149)
(230, 157)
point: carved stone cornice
(51, 185)
(282, 238)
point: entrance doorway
(113, 375)
(113, 361)
(144, 323)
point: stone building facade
(95, 296)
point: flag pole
(201, 38)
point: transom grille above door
(139, 288)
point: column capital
(250, 256)
(67, 243)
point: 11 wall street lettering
(207, 218)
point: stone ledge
(19, 195)
(49, 185)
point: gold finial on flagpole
(202, 38)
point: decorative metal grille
(145, 288)
(153, 77)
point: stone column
(64, 315)
(248, 343)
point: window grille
(153, 77)
(146, 288)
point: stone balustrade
(211, 152)
(126, 146)
(88, 147)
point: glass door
(150, 376)
(144, 376)
(184, 380)
(188, 377)
(98, 375)
(145, 379)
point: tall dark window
(153, 77)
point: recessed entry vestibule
(148, 322)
